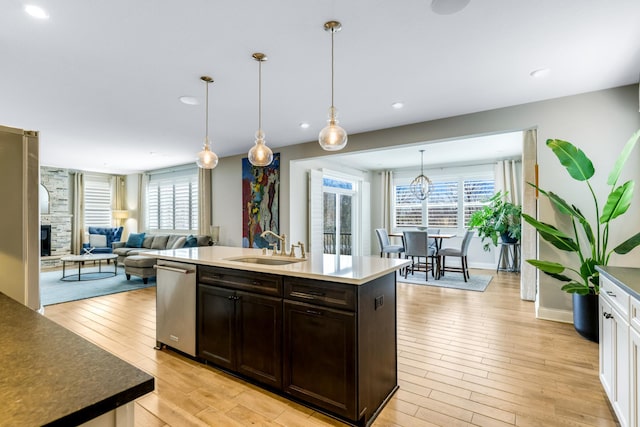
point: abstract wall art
(260, 202)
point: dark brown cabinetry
(241, 331)
(329, 344)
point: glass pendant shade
(332, 137)
(207, 159)
(260, 154)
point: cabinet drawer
(318, 292)
(267, 284)
(618, 298)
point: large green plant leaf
(586, 226)
(547, 266)
(628, 245)
(622, 158)
(618, 202)
(552, 235)
(576, 288)
(573, 159)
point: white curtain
(143, 182)
(508, 175)
(387, 198)
(77, 228)
(204, 201)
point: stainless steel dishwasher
(176, 306)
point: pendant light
(207, 159)
(260, 154)
(332, 137)
(421, 185)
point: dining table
(439, 237)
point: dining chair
(455, 252)
(416, 246)
(385, 244)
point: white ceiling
(101, 79)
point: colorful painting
(260, 201)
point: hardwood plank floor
(464, 359)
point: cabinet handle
(611, 294)
(607, 315)
(314, 312)
(257, 283)
(316, 293)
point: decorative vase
(585, 315)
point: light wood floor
(465, 358)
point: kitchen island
(320, 331)
(51, 376)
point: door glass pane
(345, 224)
(329, 223)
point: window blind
(97, 201)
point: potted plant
(588, 241)
(498, 218)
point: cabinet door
(634, 417)
(216, 318)
(607, 345)
(614, 366)
(259, 337)
(320, 357)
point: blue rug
(451, 280)
(53, 290)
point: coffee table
(91, 275)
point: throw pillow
(191, 242)
(159, 242)
(135, 240)
(97, 240)
(179, 243)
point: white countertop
(354, 270)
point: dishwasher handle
(175, 270)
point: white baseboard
(564, 316)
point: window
(172, 201)
(451, 202)
(97, 201)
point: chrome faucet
(283, 241)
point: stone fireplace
(57, 183)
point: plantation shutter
(476, 192)
(442, 204)
(172, 201)
(408, 207)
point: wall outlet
(379, 302)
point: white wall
(599, 122)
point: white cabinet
(615, 350)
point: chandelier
(421, 184)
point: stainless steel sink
(267, 260)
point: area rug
(477, 282)
(53, 290)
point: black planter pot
(585, 315)
(506, 238)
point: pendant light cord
(207, 114)
(332, 33)
(259, 94)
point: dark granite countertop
(626, 277)
(51, 376)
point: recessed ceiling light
(397, 105)
(36, 11)
(189, 100)
(448, 7)
(540, 72)
(304, 125)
